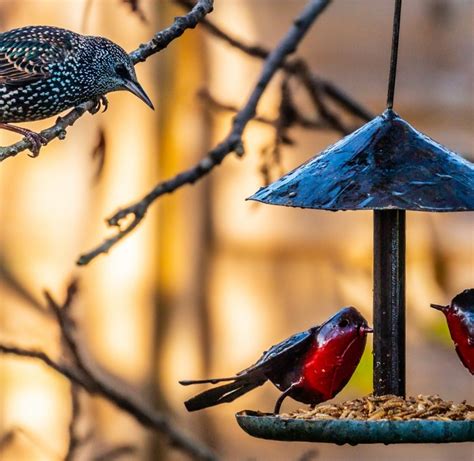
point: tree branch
(80, 373)
(298, 67)
(298, 119)
(74, 439)
(160, 41)
(231, 143)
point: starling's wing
(27, 53)
(279, 352)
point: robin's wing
(27, 53)
(465, 302)
(251, 377)
(293, 345)
(468, 321)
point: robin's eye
(122, 71)
(343, 323)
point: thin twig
(16, 431)
(98, 155)
(65, 370)
(298, 119)
(136, 9)
(116, 452)
(74, 439)
(314, 89)
(231, 143)
(9, 278)
(160, 41)
(213, 103)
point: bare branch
(297, 67)
(98, 155)
(181, 23)
(13, 283)
(213, 103)
(65, 370)
(298, 118)
(85, 376)
(231, 143)
(58, 130)
(116, 452)
(136, 9)
(74, 439)
(160, 41)
(17, 432)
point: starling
(45, 70)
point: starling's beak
(438, 307)
(138, 91)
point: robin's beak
(365, 329)
(438, 307)
(139, 92)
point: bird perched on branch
(460, 318)
(45, 70)
(311, 366)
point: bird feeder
(389, 167)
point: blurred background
(209, 281)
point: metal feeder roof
(384, 165)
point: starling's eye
(343, 323)
(122, 71)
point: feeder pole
(389, 274)
(389, 302)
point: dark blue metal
(385, 165)
(355, 432)
(389, 302)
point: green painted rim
(354, 432)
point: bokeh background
(209, 280)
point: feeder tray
(340, 432)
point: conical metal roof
(385, 164)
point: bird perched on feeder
(460, 318)
(311, 366)
(45, 70)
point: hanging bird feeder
(389, 167)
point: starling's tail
(224, 393)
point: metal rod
(394, 56)
(389, 302)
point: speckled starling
(45, 70)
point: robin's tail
(221, 394)
(188, 382)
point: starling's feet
(99, 101)
(36, 140)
